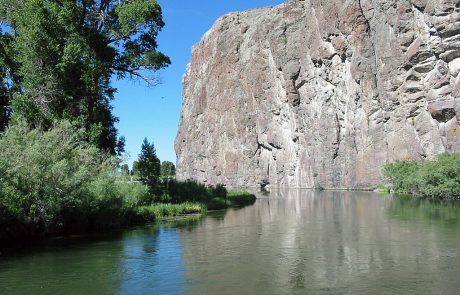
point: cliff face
(321, 92)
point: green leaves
(64, 54)
(168, 170)
(136, 15)
(52, 180)
(438, 179)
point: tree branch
(151, 81)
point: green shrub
(217, 204)
(193, 191)
(436, 179)
(187, 191)
(384, 189)
(54, 181)
(241, 198)
(218, 191)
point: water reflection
(442, 213)
(290, 242)
(146, 260)
(152, 264)
(304, 242)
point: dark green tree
(168, 170)
(67, 51)
(149, 165)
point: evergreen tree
(149, 165)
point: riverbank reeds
(157, 211)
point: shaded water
(291, 242)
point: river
(289, 242)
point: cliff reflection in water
(323, 242)
(292, 242)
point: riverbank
(109, 218)
(434, 179)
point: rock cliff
(321, 92)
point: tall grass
(158, 211)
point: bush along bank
(214, 197)
(436, 179)
(54, 182)
(240, 199)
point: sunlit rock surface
(321, 93)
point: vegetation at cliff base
(241, 198)
(53, 182)
(215, 197)
(437, 179)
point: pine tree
(149, 165)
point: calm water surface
(290, 242)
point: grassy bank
(157, 211)
(436, 179)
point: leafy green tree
(149, 165)
(125, 169)
(64, 53)
(168, 170)
(135, 170)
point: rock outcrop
(321, 93)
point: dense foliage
(54, 181)
(438, 179)
(168, 170)
(215, 197)
(57, 58)
(241, 198)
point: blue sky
(154, 112)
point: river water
(289, 242)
